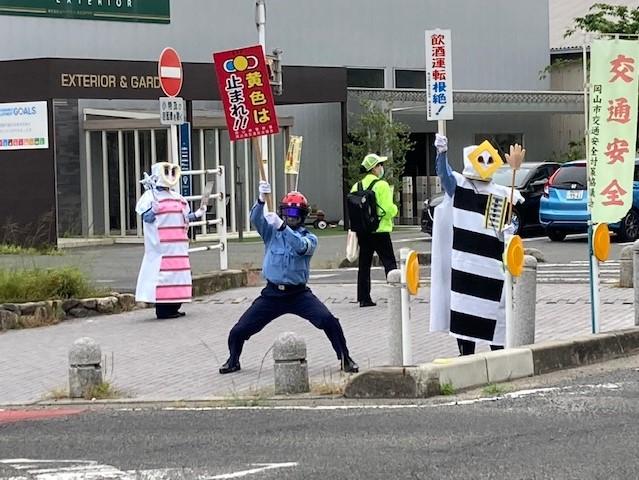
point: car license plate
(575, 195)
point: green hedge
(21, 285)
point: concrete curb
(460, 373)
(208, 283)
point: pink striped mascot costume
(165, 274)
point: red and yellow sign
(243, 80)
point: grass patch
(9, 249)
(494, 389)
(327, 388)
(103, 391)
(246, 402)
(447, 389)
(59, 393)
(22, 285)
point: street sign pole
(170, 73)
(260, 22)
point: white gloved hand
(264, 189)
(199, 213)
(441, 143)
(508, 230)
(274, 219)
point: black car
(529, 180)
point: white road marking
(66, 469)
(409, 240)
(262, 467)
(574, 389)
(92, 470)
(323, 275)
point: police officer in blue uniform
(289, 247)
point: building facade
(93, 61)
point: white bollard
(85, 371)
(635, 268)
(394, 294)
(406, 334)
(625, 267)
(525, 295)
(290, 372)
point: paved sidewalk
(178, 359)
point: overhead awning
(479, 101)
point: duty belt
(287, 288)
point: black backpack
(362, 209)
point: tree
(604, 18)
(374, 132)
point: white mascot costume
(165, 274)
(469, 232)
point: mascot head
(481, 162)
(167, 174)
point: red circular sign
(170, 72)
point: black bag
(362, 209)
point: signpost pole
(260, 166)
(260, 22)
(175, 147)
(592, 261)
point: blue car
(564, 204)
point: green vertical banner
(613, 108)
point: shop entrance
(120, 150)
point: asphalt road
(565, 261)
(580, 424)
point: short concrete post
(625, 267)
(394, 294)
(635, 273)
(523, 331)
(290, 369)
(85, 371)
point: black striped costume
(467, 272)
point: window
(501, 141)
(365, 77)
(410, 79)
(569, 175)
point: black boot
(349, 365)
(230, 367)
(367, 303)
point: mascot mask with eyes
(481, 162)
(167, 174)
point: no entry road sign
(170, 72)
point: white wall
(497, 44)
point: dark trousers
(368, 244)
(467, 347)
(166, 310)
(273, 303)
